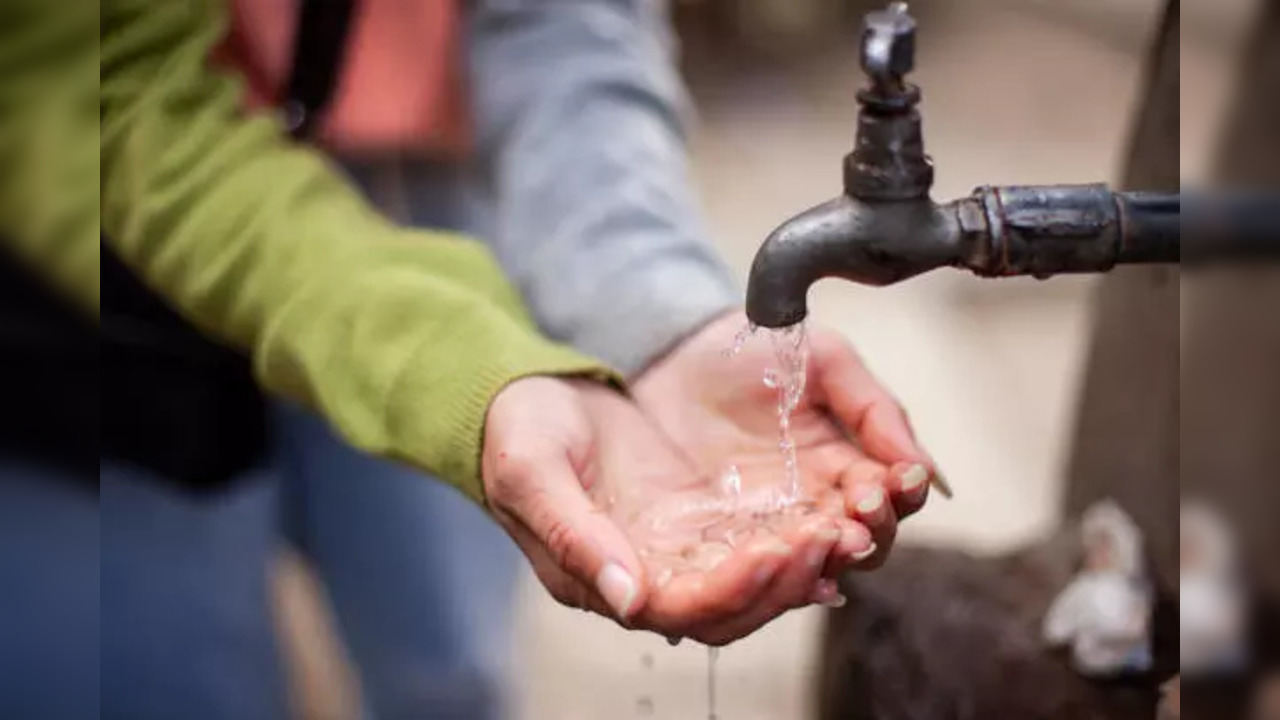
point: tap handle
(888, 47)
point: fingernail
(827, 593)
(828, 534)
(823, 589)
(914, 478)
(871, 504)
(617, 587)
(942, 485)
(865, 553)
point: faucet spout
(874, 243)
(884, 228)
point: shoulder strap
(317, 57)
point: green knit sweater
(399, 338)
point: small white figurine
(1213, 606)
(1104, 613)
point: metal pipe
(869, 243)
(884, 228)
(1037, 230)
(1154, 227)
(1237, 225)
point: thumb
(867, 410)
(580, 538)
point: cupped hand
(614, 519)
(857, 457)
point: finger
(564, 588)
(814, 539)
(908, 487)
(570, 592)
(866, 409)
(855, 545)
(827, 594)
(578, 538)
(791, 588)
(696, 598)
(865, 488)
(878, 425)
(868, 501)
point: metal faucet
(884, 227)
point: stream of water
(730, 514)
(713, 654)
(788, 378)
(792, 352)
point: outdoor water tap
(884, 227)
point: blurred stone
(938, 634)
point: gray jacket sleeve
(578, 110)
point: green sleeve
(399, 338)
(49, 141)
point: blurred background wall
(1014, 91)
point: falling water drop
(771, 379)
(644, 706)
(731, 482)
(740, 339)
(713, 654)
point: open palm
(857, 459)
(608, 514)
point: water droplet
(674, 640)
(740, 339)
(646, 661)
(731, 481)
(644, 706)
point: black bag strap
(317, 58)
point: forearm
(399, 339)
(578, 110)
